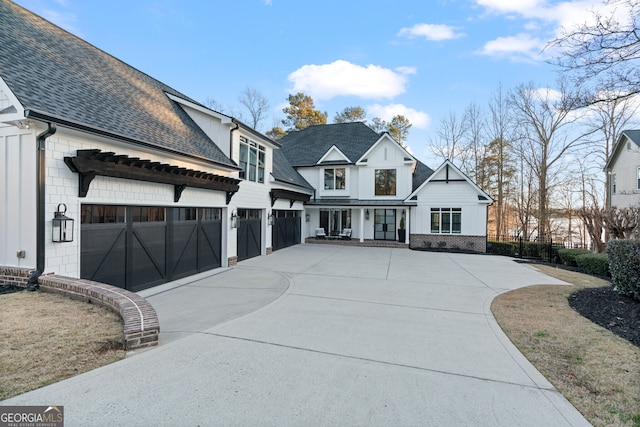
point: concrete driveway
(326, 335)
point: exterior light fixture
(270, 218)
(234, 220)
(307, 217)
(62, 225)
(366, 215)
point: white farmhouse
(623, 169)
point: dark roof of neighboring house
(284, 172)
(632, 135)
(306, 147)
(56, 75)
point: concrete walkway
(326, 335)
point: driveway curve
(327, 335)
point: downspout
(32, 284)
(231, 137)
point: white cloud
(519, 47)
(434, 32)
(418, 119)
(544, 19)
(342, 78)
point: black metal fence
(537, 249)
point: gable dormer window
(252, 160)
(335, 179)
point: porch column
(407, 224)
(361, 225)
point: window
(148, 214)
(185, 214)
(613, 184)
(385, 182)
(335, 179)
(101, 214)
(334, 220)
(638, 179)
(446, 220)
(252, 160)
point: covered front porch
(368, 220)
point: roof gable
(385, 138)
(59, 77)
(448, 172)
(334, 155)
(627, 136)
(308, 146)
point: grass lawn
(45, 338)
(597, 371)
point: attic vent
(628, 146)
(482, 198)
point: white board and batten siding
(459, 192)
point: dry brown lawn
(45, 338)
(597, 371)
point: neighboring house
(623, 169)
(160, 186)
(367, 182)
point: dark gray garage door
(137, 247)
(286, 229)
(249, 233)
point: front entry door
(384, 224)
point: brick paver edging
(141, 325)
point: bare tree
(255, 103)
(475, 124)
(214, 105)
(621, 222)
(450, 139)
(548, 117)
(609, 118)
(604, 52)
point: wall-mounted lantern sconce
(270, 219)
(62, 226)
(307, 217)
(234, 220)
(366, 215)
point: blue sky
(422, 59)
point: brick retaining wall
(448, 241)
(141, 325)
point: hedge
(568, 256)
(592, 263)
(624, 264)
(501, 248)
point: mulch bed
(608, 308)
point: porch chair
(346, 234)
(320, 234)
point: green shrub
(624, 264)
(501, 248)
(593, 263)
(568, 256)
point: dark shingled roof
(633, 135)
(284, 172)
(57, 75)
(306, 147)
